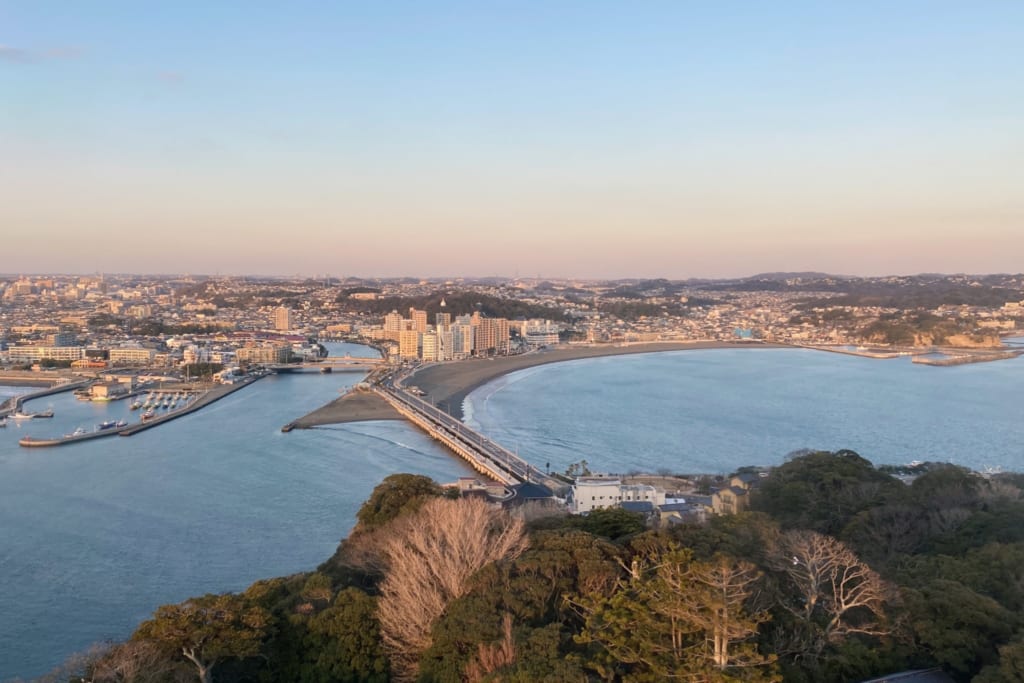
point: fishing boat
(28, 416)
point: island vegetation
(841, 571)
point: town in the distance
(172, 322)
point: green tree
(397, 495)
(208, 630)
(343, 642)
(676, 618)
(610, 522)
(957, 627)
(823, 491)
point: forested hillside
(841, 573)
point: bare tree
(490, 658)
(836, 592)
(430, 557)
(138, 662)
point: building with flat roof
(283, 319)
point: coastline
(448, 384)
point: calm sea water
(716, 410)
(94, 536)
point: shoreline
(448, 384)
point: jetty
(951, 359)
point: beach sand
(355, 406)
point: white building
(428, 347)
(132, 356)
(591, 493)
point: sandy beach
(448, 384)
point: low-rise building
(592, 493)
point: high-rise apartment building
(409, 344)
(445, 339)
(462, 340)
(419, 320)
(428, 347)
(282, 318)
(442, 321)
(394, 323)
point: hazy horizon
(562, 139)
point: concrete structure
(429, 347)
(592, 493)
(32, 354)
(419, 320)
(409, 344)
(267, 353)
(132, 356)
(283, 318)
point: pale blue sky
(597, 139)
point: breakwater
(967, 358)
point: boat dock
(204, 399)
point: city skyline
(560, 140)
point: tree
(343, 642)
(823, 491)
(396, 495)
(137, 662)
(834, 593)
(610, 522)
(960, 629)
(207, 630)
(430, 557)
(673, 618)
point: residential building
(409, 344)
(283, 318)
(132, 356)
(419, 320)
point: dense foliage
(840, 573)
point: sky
(553, 139)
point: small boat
(28, 416)
(135, 405)
(120, 423)
(148, 415)
(78, 432)
(106, 424)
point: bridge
(331, 364)
(482, 454)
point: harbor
(160, 406)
